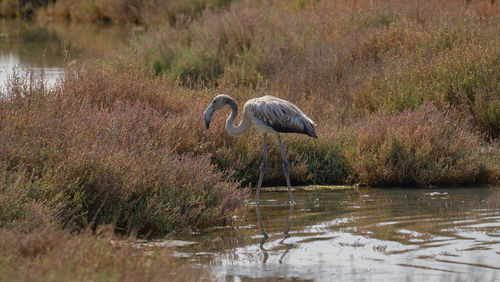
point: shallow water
(366, 235)
(50, 46)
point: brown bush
(425, 146)
(50, 253)
(108, 159)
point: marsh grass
(380, 56)
(91, 162)
(52, 254)
(346, 64)
(425, 146)
(401, 95)
(150, 13)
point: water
(366, 235)
(50, 46)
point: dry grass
(51, 254)
(343, 63)
(425, 146)
(129, 131)
(359, 58)
(150, 12)
(91, 161)
(403, 94)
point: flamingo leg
(262, 170)
(285, 169)
(264, 234)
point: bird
(272, 116)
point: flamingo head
(218, 102)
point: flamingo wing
(279, 115)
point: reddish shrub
(425, 146)
(108, 159)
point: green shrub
(324, 159)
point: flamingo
(270, 115)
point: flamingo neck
(244, 124)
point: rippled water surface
(365, 235)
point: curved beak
(208, 115)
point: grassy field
(403, 94)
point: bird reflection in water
(288, 246)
